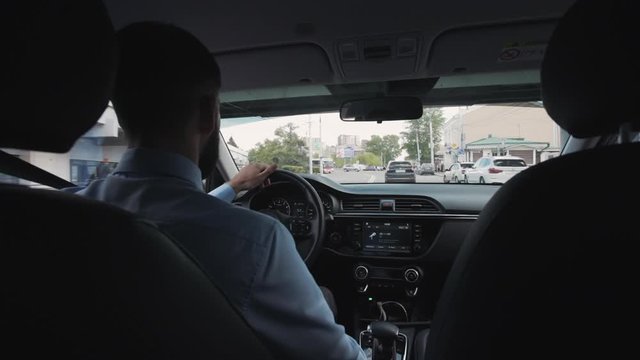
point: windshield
(364, 152)
(348, 152)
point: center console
(400, 237)
(388, 274)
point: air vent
(416, 206)
(357, 204)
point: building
(346, 140)
(519, 129)
(530, 151)
(240, 157)
(98, 148)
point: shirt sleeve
(224, 192)
(287, 306)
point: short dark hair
(162, 72)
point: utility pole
(431, 142)
(309, 147)
(418, 143)
(320, 126)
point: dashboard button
(411, 275)
(361, 272)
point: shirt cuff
(224, 192)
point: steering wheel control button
(361, 272)
(411, 275)
(299, 227)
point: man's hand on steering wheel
(252, 176)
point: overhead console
(393, 55)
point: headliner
(292, 44)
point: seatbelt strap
(14, 166)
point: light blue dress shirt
(250, 256)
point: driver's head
(166, 86)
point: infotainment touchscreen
(386, 236)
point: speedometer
(280, 205)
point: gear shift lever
(384, 336)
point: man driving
(166, 100)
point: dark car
(400, 172)
(425, 169)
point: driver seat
(548, 270)
(82, 279)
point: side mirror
(381, 109)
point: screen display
(386, 236)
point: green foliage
(287, 149)
(339, 162)
(368, 158)
(387, 146)
(421, 127)
(293, 168)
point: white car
(456, 172)
(494, 169)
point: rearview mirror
(381, 109)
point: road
(374, 177)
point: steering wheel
(308, 233)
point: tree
(386, 148)
(287, 149)
(419, 129)
(368, 158)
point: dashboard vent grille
(365, 204)
(416, 206)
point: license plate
(400, 170)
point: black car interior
(536, 268)
(84, 279)
(546, 271)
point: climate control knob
(411, 275)
(361, 272)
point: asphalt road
(375, 177)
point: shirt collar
(159, 163)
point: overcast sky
(248, 135)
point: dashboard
(382, 242)
(400, 221)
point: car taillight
(494, 171)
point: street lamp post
(431, 142)
(418, 143)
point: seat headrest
(60, 60)
(589, 70)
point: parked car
(327, 169)
(370, 168)
(399, 171)
(348, 168)
(495, 170)
(456, 172)
(425, 169)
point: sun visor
(494, 48)
(274, 66)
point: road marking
(372, 179)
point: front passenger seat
(549, 269)
(81, 279)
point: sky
(247, 135)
